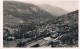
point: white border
(1, 24)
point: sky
(68, 5)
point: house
(54, 35)
(10, 38)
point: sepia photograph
(40, 23)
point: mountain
(17, 12)
(57, 11)
(67, 29)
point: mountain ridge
(25, 11)
(54, 10)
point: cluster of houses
(44, 42)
